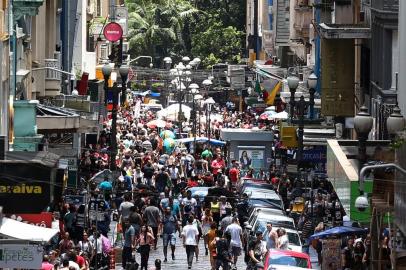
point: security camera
(361, 203)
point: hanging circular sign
(113, 32)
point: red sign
(44, 219)
(113, 32)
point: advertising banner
(25, 188)
(315, 155)
(251, 158)
(43, 220)
(20, 256)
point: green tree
(218, 44)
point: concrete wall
(402, 57)
(83, 61)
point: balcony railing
(49, 73)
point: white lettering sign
(20, 256)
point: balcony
(385, 5)
(52, 77)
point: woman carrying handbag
(145, 240)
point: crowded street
(202, 134)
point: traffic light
(116, 55)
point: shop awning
(344, 31)
(14, 229)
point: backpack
(106, 244)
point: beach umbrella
(169, 145)
(340, 230)
(267, 115)
(167, 134)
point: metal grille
(381, 111)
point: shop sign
(43, 219)
(20, 256)
(113, 32)
(288, 136)
(315, 155)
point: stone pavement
(180, 262)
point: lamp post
(293, 83)
(106, 70)
(194, 90)
(312, 84)
(363, 122)
(301, 106)
(206, 84)
(124, 70)
(209, 103)
(168, 64)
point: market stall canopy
(341, 231)
(14, 229)
(172, 112)
(202, 140)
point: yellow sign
(288, 136)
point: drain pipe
(362, 202)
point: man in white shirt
(190, 235)
(235, 231)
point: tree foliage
(209, 29)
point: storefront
(29, 182)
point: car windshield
(281, 259)
(261, 226)
(265, 202)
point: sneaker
(190, 267)
(165, 260)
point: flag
(258, 88)
(269, 96)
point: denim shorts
(169, 239)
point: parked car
(275, 258)
(256, 210)
(199, 191)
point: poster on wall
(251, 158)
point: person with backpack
(223, 256)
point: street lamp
(168, 62)
(312, 84)
(209, 103)
(293, 83)
(194, 90)
(301, 106)
(124, 70)
(363, 122)
(185, 59)
(206, 84)
(395, 122)
(106, 70)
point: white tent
(172, 111)
(14, 229)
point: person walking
(235, 231)
(129, 242)
(152, 214)
(207, 220)
(255, 251)
(223, 256)
(170, 226)
(190, 236)
(211, 235)
(145, 241)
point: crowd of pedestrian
(151, 199)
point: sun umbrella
(341, 230)
(156, 123)
(270, 108)
(281, 115)
(169, 145)
(267, 115)
(167, 134)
